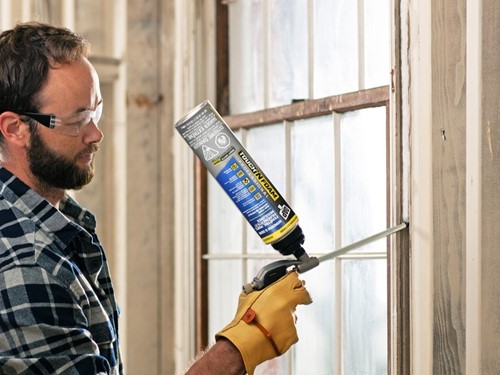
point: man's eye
(77, 121)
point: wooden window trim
(353, 101)
(201, 265)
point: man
(58, 312)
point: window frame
(398, 285)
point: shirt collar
(44, 214)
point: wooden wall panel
(142, 309)
(490, 209)
(166, 203)
(150, 266)
(448, 153)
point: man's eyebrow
(83, 109)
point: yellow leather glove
(264, 325)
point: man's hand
(264, 325)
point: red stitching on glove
(250, 317)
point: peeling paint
(489, 139)
(144, 101)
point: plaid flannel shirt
(58, 313)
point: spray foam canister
(238, 174)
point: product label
(250, 191)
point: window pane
(266, 145)
(224, 277)
(312, 177)
(276, 366)
(225, 232)
(314, 354)
(377, 46)
(246, 48)
(288, 51)
(364, 180)
(335, 47)
(225, 229)
(364, 317)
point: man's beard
(58, 171)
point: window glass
(227, 233)
(288, 43)
(246, 84)
(225, 237)
(335, 47)
(364, 343)
(377, 51)
(363, 175)
(315, 352)
(312, 181)
(224, 277)
(266, 145)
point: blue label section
(250, 198)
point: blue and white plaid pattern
(58, 313)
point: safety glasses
(71, 125)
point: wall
(150, 262)
(489, 154)
(452, 102)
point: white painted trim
(5, 14)
(338, 318)
(68, 14)
(184, 87)
(418, 15)
(336, 118)
(473, 189)
(25, 10)
(184, 256)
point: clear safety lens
(72, 125)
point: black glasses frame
(46, 120)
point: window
(306, 90)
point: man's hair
(27, 52)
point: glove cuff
(253, 357)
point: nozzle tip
(307, 264)
(248, 288)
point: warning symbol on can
(209, 153)
(222, 140)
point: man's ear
(13, 129)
